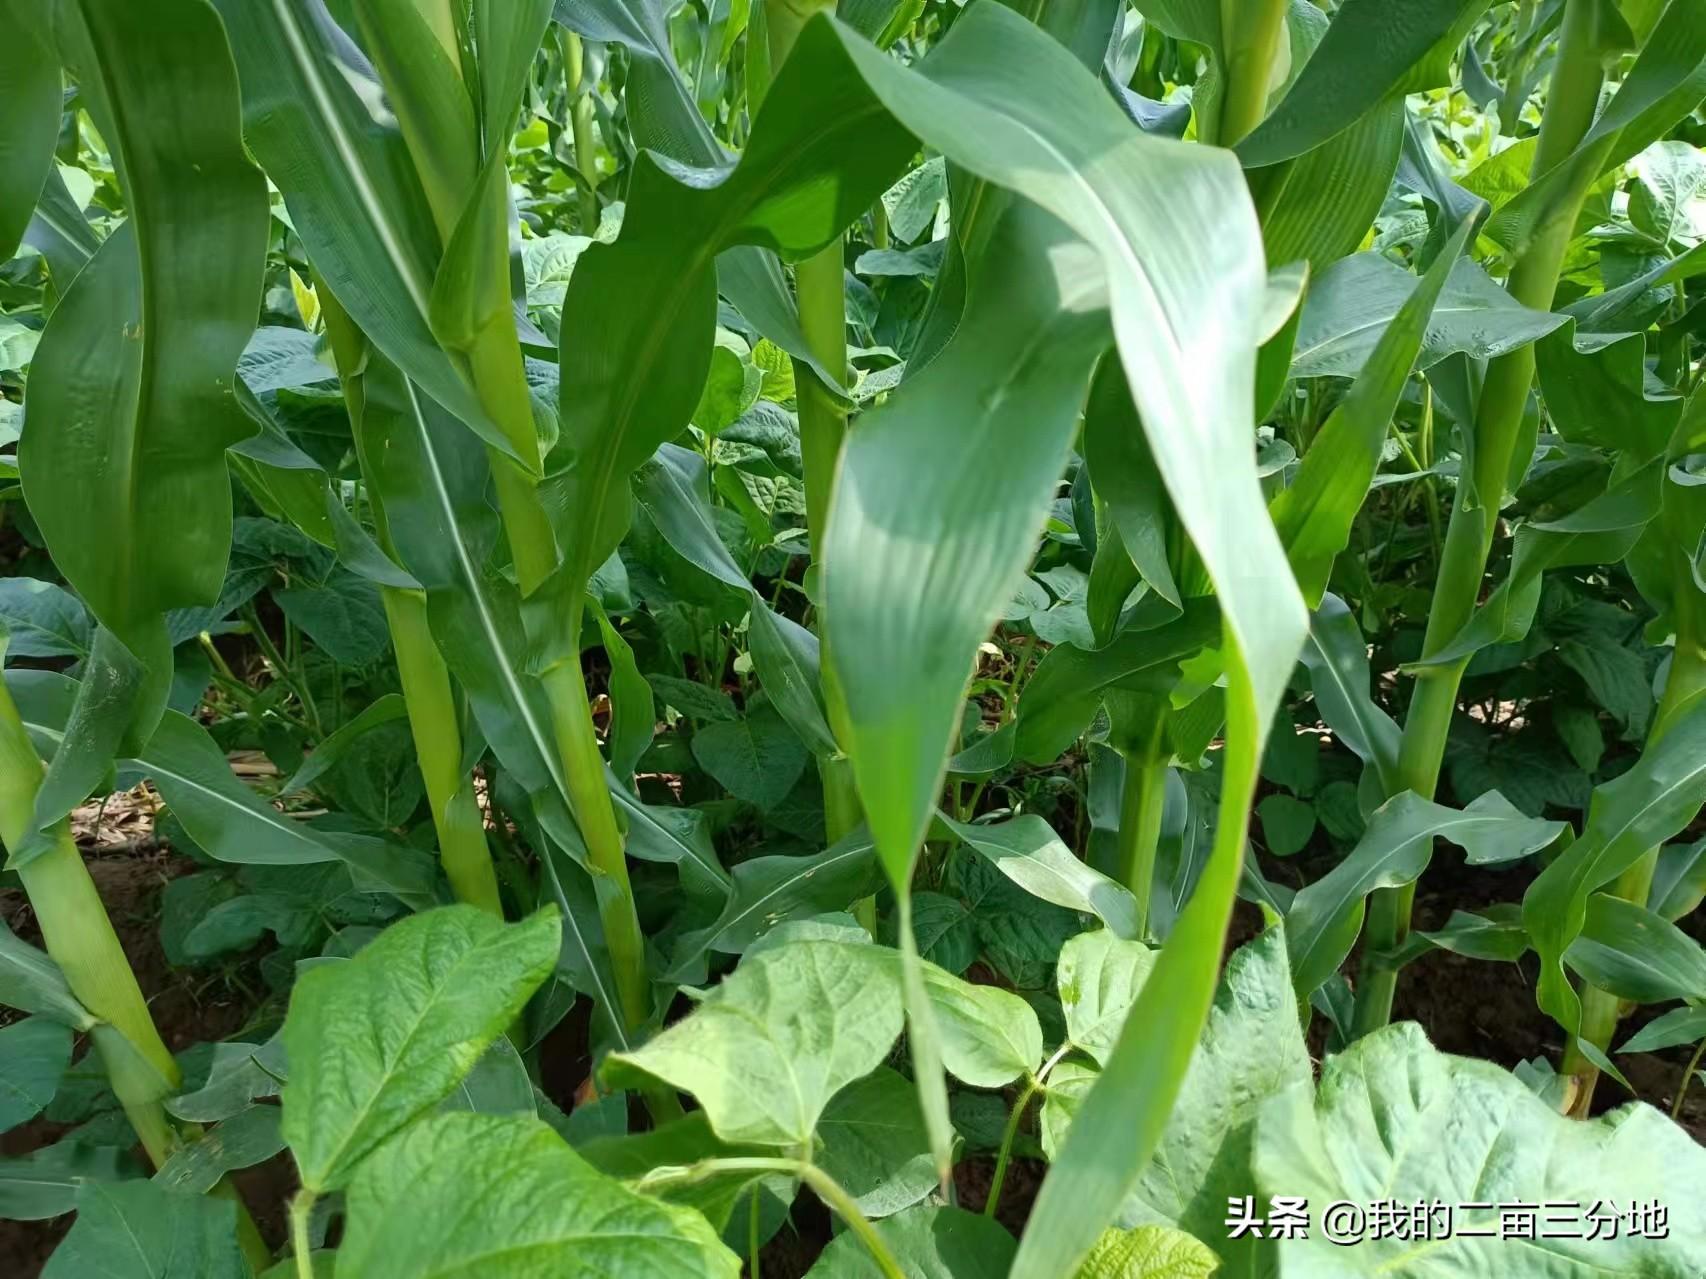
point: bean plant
(898, 590)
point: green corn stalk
(78, 935)
(1569, 112)
(1685, 680)
(1139, 733)
(818, 283)
(433, 720)
(424, 82)
(580, 125)
(1251, 31)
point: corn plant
(820, 550)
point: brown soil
(189, 1007)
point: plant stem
(1142, 799)
(752, 1250)
(823, 1185)
(496, 366)
(571, 719)
(1250, 31)
(823, 420)
(434, 723)
(283, 669)
(1687, 1076)
(841, 816)
(435, 726)
(580, 125)
(1021, 665)
(533, 546)
(820, 288)
(79, 936)
(1570, 105)
(829, 1190)
(1008, 1136)
(497, 374)
(1601, 1010)
(301, 1209)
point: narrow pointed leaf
(349, 183)
(31, 100)
(1641, 809)
(1314, 513)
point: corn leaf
(30, 105)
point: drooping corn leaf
(380, 1039)
(1070, 682)
(1315, 512)
(640, 314)
(32, 983)
(1337, 659)
(30, 105)
(672, 489)
(1122, 468)
(222, 815)
(962, 104)
(352, 190)
(1649, 804)
(1371, 48)
(665, 118)
(241, 1141)
(1635, 954)
(135, 369)
(1251, 1049)
(1326, 915)
(1029, 853)
(771, 890)
(432, 479)
(1602, 530)
(60, 232)
(1679, 1026)
(1666, 82)
(1328, 197)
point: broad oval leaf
(460, 1195)
(1374, 1131)
(140, 1230)
(771, 1044)
(379, 1039)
